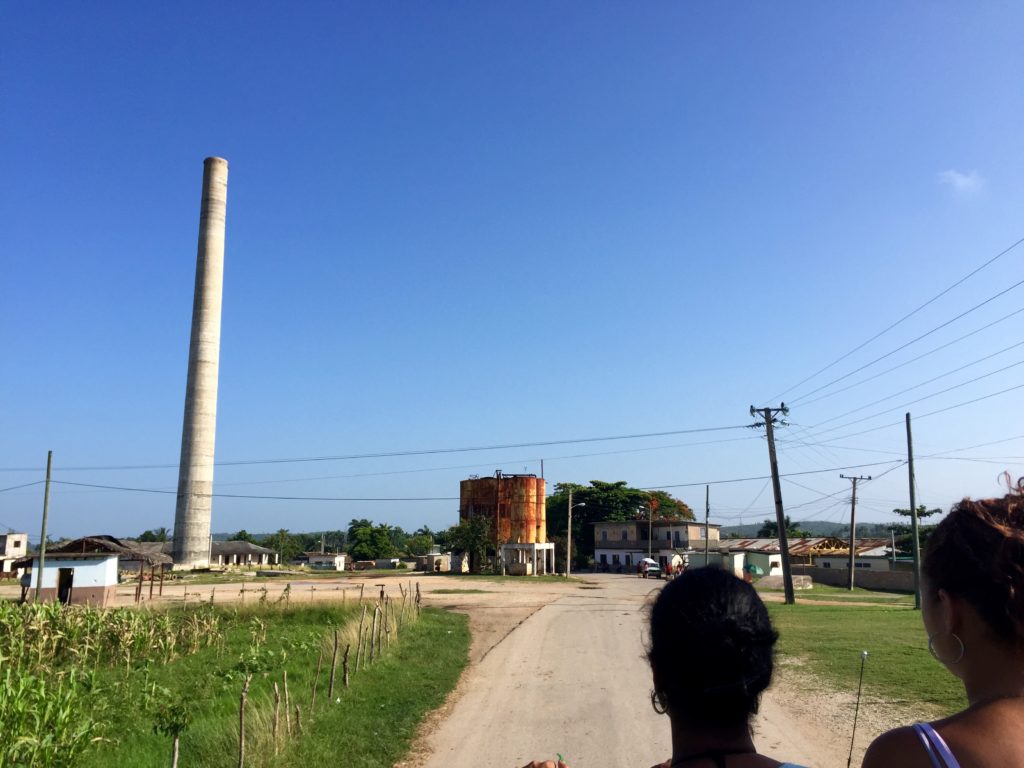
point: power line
(907, 316)
(924, 383)
(905, 363)
(912, 402)
(765, 477)
(892, 352)
(501, 461)
(275, 498)
(392, 454)
(916, 418)
(23, 485)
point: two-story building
(12, 547)
(623, 545)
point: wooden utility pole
(707, 518)
(914, 535)
(853, 524)
(42, 534)
(768, 414)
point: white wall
(863, 563)
(88, 573)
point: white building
(327, 561)
(12, 546)
(82, 578)
(622, 545)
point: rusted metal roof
(103, 544)
(802, 547)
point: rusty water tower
(513, 504)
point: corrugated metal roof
(801, 547)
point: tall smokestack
(195, 474)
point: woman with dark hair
(972, 606)
(708, 614)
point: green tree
(472, 537)
(922, 512)
(156, 534)
(243, 535)
(770, 529)
(371, 542)
(287, 546)
(603, 502)
(419, 544)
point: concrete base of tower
(527, 559)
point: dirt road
(572, 679)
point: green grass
(828, 639)
(858, 595)
(395, 692)
(376, 720)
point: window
(604, 558)
(604, 535)
(826, 564)
(623, 534)
(703, 532)
(668, 535)
(615, 559)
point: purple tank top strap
(935, 746)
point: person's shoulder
(899, 744)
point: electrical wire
(829, 441)
(900, 348)
(905, 363)
(907, 316)
(23, 485)
(392, 454)
(274, 498)
(929, 381)
(764, 477)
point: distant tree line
(365, 539)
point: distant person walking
(972, 607)
(26, 584)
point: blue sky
(472, 224)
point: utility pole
(568, 539)
(914, 535)
(768, 414)
(650, 528)
(853, 524)
(42, 534)
(707, 518)
(892, 532)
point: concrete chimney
(195, 473)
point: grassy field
(95, 683)
(828, 640)
(821, 592)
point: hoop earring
(656, 703)
(957, 660)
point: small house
(326, 561)
(85, 571)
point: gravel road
(571, 678)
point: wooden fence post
(334, 664)
(241, 722)
(344, 663)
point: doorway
(65, 581)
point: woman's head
(711, 647)
(977, 554)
